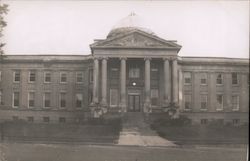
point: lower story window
(236, 121)
(203, 102)
(46, 119)
(113, 97)
(30, 119)
(62, 119)
(204, 121)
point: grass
(60, 152)
(198, 134)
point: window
(203, 79)
(204, 121)
(15, 99)
(114, 73)
(47, 97)
(235, 102)
(203, 102)
(79, 100)
(79, 77)
(62, 99)
(46, 119)
(90, 75)
(113, 97)
(134, 72)
(234, 78)
(62, 119)
(219, 79)
(31, 98)
(47, 77)
(187, 99)
(15, 118)
(63, 77)
(219, 102)
(1, 103)
(154, 97)
(154, 73)
(236, 121)
(30, 119)
(187, 78)
(17, 76)
(0, 76)
(32, 76)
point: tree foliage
(3, 11)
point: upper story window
(219, 79)
(114, 73)
(219, 102)
(31, 99)
(32, 76)
(47, 77)
(79, 100)
(113, 97)
(15, 100)
(204, 102)
(63, 77)
(203, 79)
(17, 76)
(234, 78)
(79, 77)
(47, 101)
(235, 102)
(187, 77)
(154, 73)
(187, 101)
(62, 99)
(134, 72)
(154, 97)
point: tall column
(147, 103)
(175, 81)
(167, 82)
(104, 82)
(123, 85)
(95, 81)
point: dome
(129, 23)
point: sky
(202, 28)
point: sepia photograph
(143, 80)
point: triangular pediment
(137, 39)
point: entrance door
(134, 103)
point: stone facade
(132, 70)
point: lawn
(60, 152)
(199, 134)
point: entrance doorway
(134, 103)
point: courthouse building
(132, 70)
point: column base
(123, 107)
(147, 107)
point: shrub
(181, 121)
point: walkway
(136, 132)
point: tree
(3, 11)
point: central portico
(134, 70)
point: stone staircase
(135, 131)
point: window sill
(187, 109)
(219, 109)
(203, 109)
(235, 110)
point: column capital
(96, 58)
(166, 58)
(123, 58)
(104, 58)
(172, 58)
(147, 58)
